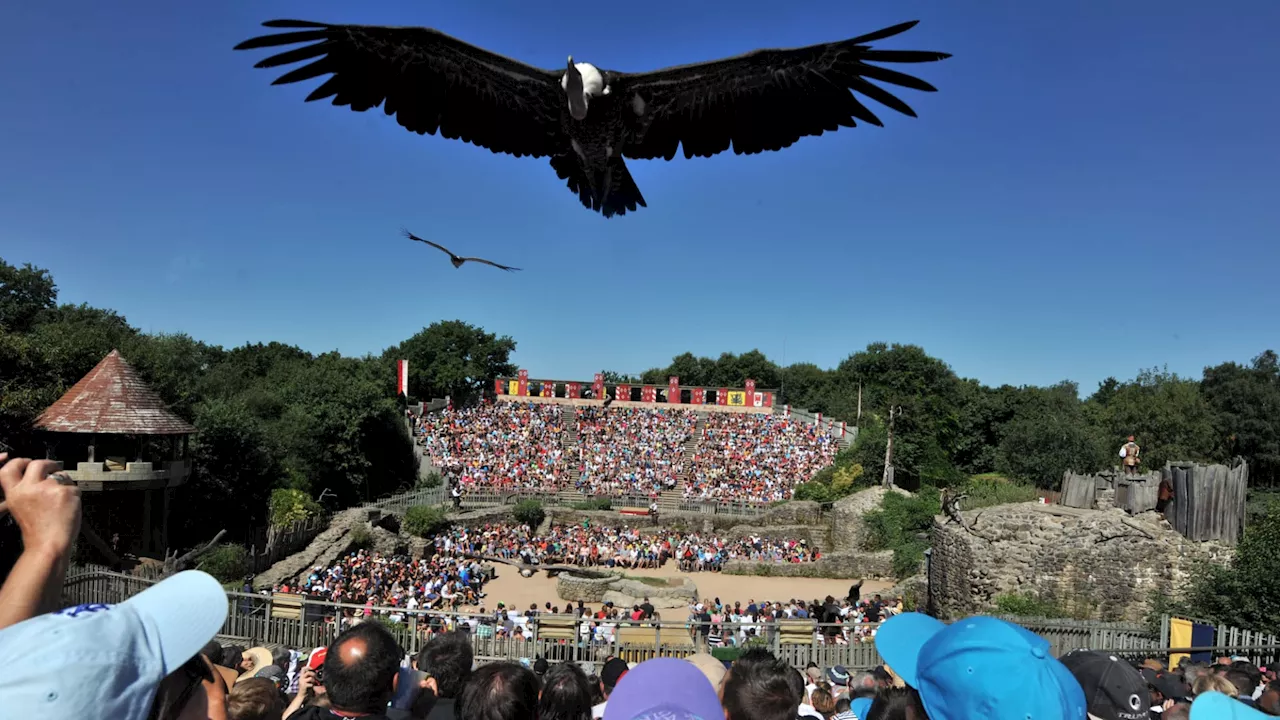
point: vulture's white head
(581, 82)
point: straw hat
(260, 657)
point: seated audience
(505, 446)
(756, 458)
(632, 451)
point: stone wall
(843, 565)
(847, 529)
(1099, 564)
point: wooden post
(887, 479)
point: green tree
(25, 292)
(453, 358)
(612, 377)
(1246, 404)
(1245, 593)
(1168, 414)
(1048, 435)
(290, 506)
(425, 522)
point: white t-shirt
(807, 710)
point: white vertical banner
(787, 412)
(402, 377)
(817, 420)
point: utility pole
(887, 480)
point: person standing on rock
(1129, 455)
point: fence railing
(299, 622)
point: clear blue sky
(1085, 167)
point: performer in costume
(1129, 455)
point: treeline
(949, 427)
(269, 416)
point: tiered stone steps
(569, 443)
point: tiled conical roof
(112, 399)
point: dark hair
(597, 689)
(365, 685)
(565, 694)
(1241, 679)
(176, 689)
(231, 657)
(448, 658)
(843, 705)
(897, 704)
(213, 651)
(255, 699)
(762, 687)
(499, 691)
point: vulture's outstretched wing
(437, 246)
(490, 262)
(427, 79)
(766, 99)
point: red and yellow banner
(737, 398)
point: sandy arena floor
(508, 587)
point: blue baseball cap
(1217, 706)
(107, 660)
(979, 667)
(860, 707)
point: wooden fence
(280, 541)
(1208, 500)
(297, 622)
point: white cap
(107, 660)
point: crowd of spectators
(756, 458)
(503, 446)
(632, 451)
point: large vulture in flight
(586, 120)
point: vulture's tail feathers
(616, 191)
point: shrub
(529, 512)
(595, 503)
(1027, 605)
(897, 525)
(424, 521)
(991, 489)
(431, 480)
(227, 562)
(361, 538)
(289, 506)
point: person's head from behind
(565, 694)
(822, 701)
(1242, 681)
(1213, 682)
(759, 686)
(499, 691)
(255, 699)
(896, 704)
(360, 669)
(1269, 701)
(447, 659)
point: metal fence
(473, 499)
(298, 622)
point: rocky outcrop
(324, 550)
(848, 532)
(1100, 564)
(843, 565)
(625, 592)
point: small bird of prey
(457, 261)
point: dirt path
(520, 592)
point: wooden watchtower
(125, 449)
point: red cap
(316, 659)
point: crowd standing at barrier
(155, 657)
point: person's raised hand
(46, 510)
